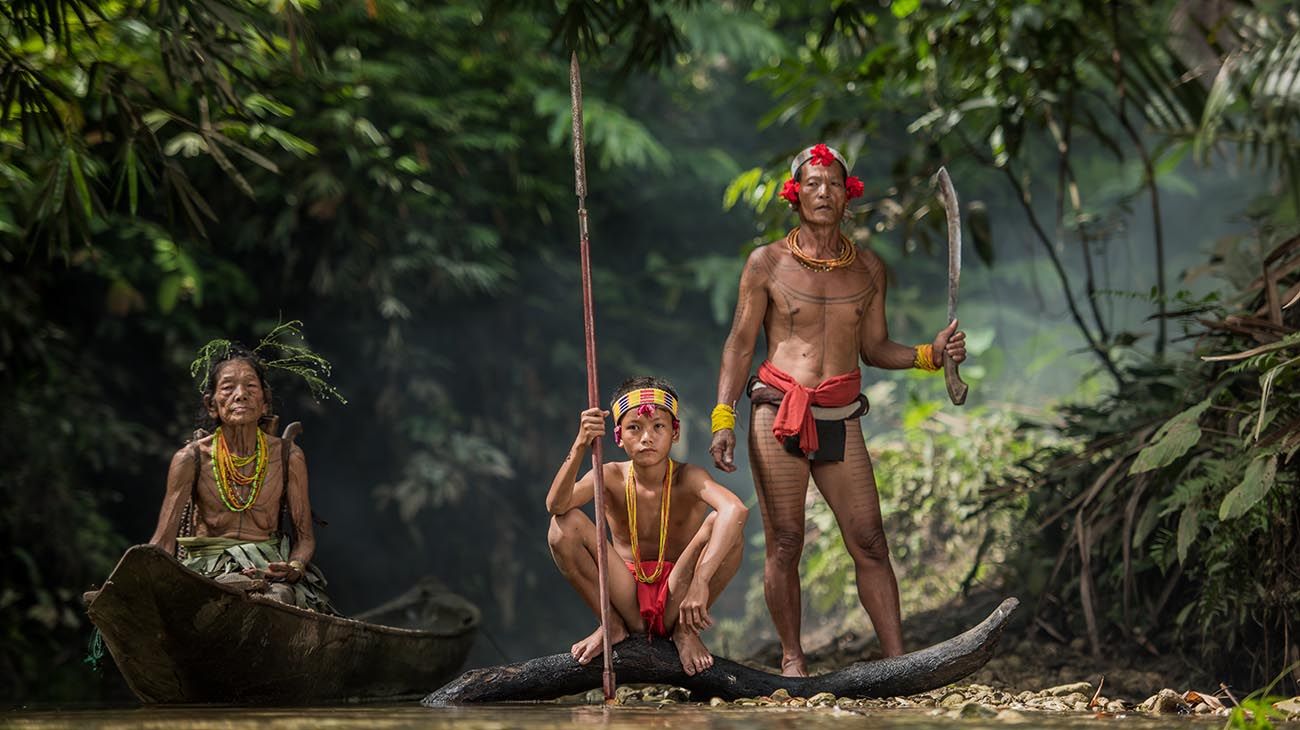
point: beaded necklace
(848, 252)
(664, 507)
(225, 470)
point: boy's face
(647, 439)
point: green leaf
(79, 181)
(1187, 527)
(1146, 523)
(168, 292)
(132, 178)
(1174, 438)
(743, 185)
(1258, 479)
(903, 8)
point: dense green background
(397, 176)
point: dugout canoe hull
(179, 637)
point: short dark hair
(643, 381)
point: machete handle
(957, 387)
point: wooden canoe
(179, 637)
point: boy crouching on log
(689, 525)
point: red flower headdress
(819, 154)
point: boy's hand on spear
(591, 426)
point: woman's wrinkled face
(239, 398)
(822, 196)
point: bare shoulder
(186, 454)
(870, 262)
(762, 260)
(614, 472)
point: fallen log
(655, 662)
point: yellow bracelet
(298, 566)
(724, 416)
(925, 358)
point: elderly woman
(820, 300)
(231, 491)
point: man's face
(822, 196)
(647, 439)
(239, 398)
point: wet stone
(1291, 707)
(781, 695)
(717, 702)
(822, 699)
(953, 700)
(975, 709)
(1167, 702)
(678, 694)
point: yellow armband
(925, 358)
(724, 416)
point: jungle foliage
(1179, 493)
(396, 176)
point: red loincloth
(794, 417)
(652, 598)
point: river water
(506, 717)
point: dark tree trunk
(639, 661)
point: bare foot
(592, 646)
(794, 666)
(694, 655)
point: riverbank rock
(1291, 707)
(1166, 702)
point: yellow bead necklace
(225, 470)
(664, 508)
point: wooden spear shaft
(593, 389)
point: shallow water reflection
(678, 717)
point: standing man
(821, 302)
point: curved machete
(957, 388)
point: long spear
(593, 391)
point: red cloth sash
(652, 598)
(794, 417)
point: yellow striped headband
(635, 399)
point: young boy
(671, 556)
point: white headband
(807, 154)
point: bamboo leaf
(132, 179)
(79, 182)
